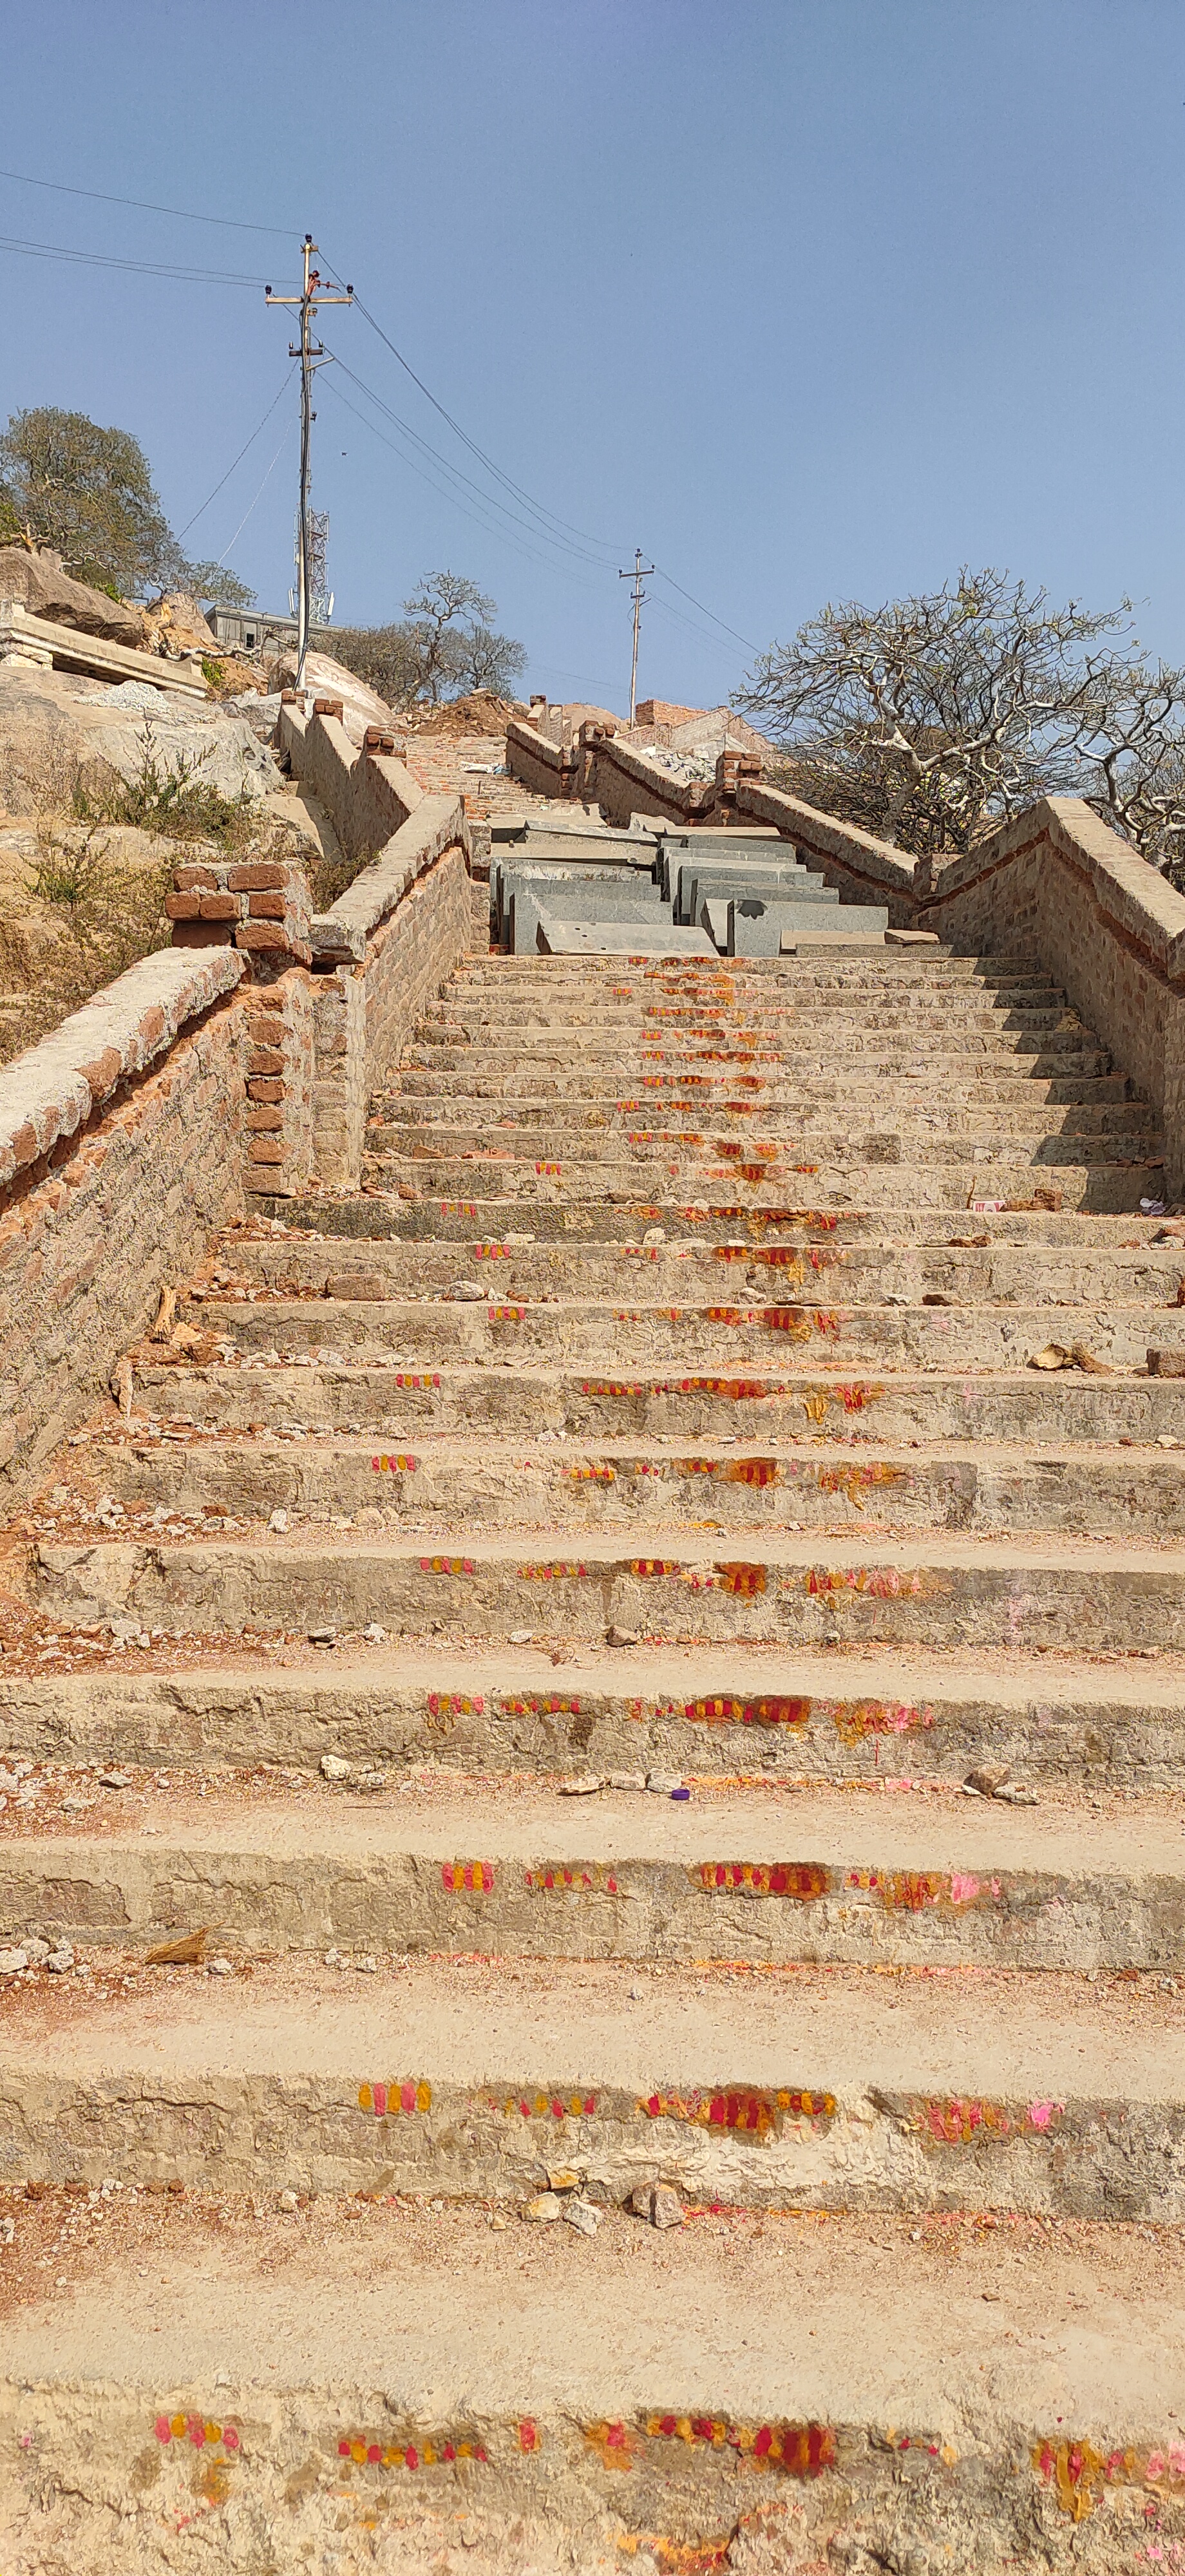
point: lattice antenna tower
(320, 594)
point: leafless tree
(1133, 762)
(929, 719)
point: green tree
(87, 492)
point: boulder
(325, 678)
(174, 624)
(40, 584)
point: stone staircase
(527, 1627)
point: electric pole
(636, 576)
(311, 356)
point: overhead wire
(146, 205)
(490, 499)
(249, 442)
(140, 267)
(490, 526)
(251, 504)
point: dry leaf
(165, 1314)
(185, 1953)
(1084, 1359)
(1054, 1356)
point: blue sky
(809, 298)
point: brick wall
(90, 1232)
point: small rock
(12, 1962)
(367, 1967)
(333, 1958)
(468, 1291)
(545, 2207)
(374, 1635)
(655, 1234)
(322, 1636)
(663, 1784)
(287, 2200)
(278, 1521)
(36, 1950)
(220, 1967)
(333, 1768)
(627, 1779)
(637, 1994)
(621, 1636)
(584, 1785)
(564, 2178)
(657, 2202)
(1014, 1794)
(114, 1780)
(7, 2231)
(371, 1780)
(987, 1779)
(521, 1636)
(61, 1960)
(582, 2215)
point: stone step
(452, 2079)
(677, 1338)
(962, 1592)
(526, 1102)
(1088, 1728)
(397, 1401)
(934, 1172)
(599, 1129)
(548, 1062)
(991, 1272)
(370, 2388)
(518, 1485)
(647, 1230)
(766, 1875)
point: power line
(145, 205)
(250, 442)
(251, 504)
(489, 526)
(141, 267)
(490, 499)
(746, 640)
(541, 511)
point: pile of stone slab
(572, 890)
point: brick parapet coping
(55, 1088)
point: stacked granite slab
(730, 895)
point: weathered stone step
(942, 1027)
(397, 1401)
(913, 1173)
(712, 1711)
(972, 2093)
(990, 1273)
(519, 1485)
(772, 1054)
(599, 1127)
(526, 1099)
(646, 1228)
(815, 1875)
(397, 2382)
(800, 1589)
(678, 1338)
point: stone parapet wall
(123, 1198)
(1058, 885)
(369, 794)
(546, 768)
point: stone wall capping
(437, 824)
(54, 1087)
(40, 643)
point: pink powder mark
(963, 1889)
(163, 2429)
(1041, 2113)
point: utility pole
(636, 576)
(311, 356)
